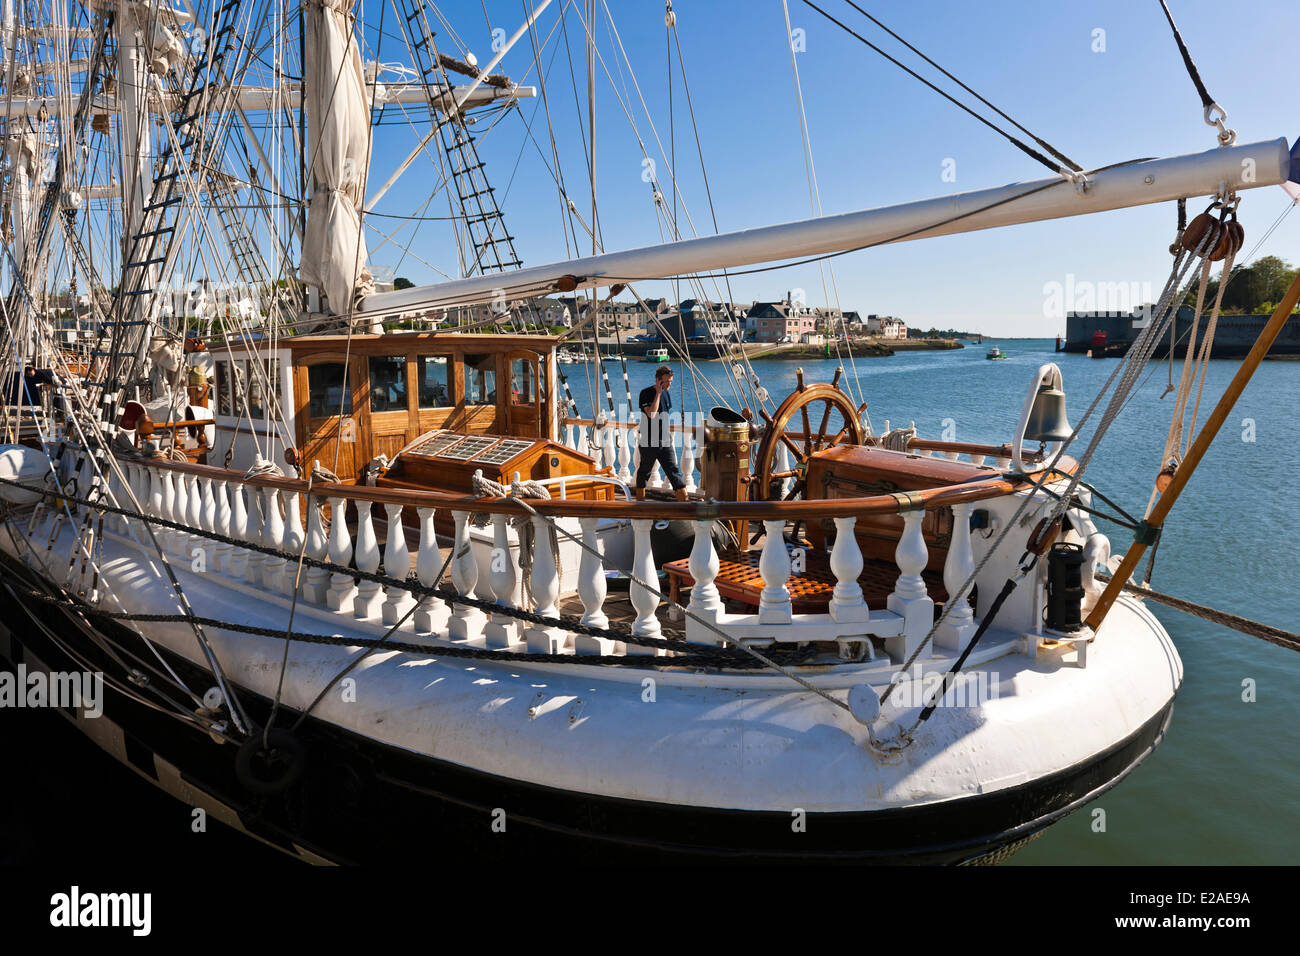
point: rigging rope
(1041, 142)
(1265, 632)
(1207, 100)
(1127, 372)
(1023, 147)
(1213, 114)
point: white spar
(1266, 163)
(254, 99)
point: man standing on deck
(655, 438)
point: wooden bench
(810, 590)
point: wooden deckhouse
(344, 400)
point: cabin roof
(369, 342)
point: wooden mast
(1147, 530)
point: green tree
(1247, 288)
(402, 283)
(1275, 274)
(1251, 288)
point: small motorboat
(995, 353)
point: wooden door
(331, 413)
(524, 397)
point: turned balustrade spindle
(959, 625)
(292, 542)
(432, 613)
(170, 539)
(208, 520)
(272, 537)
(592, 590)
(705, 604)
(238, 530)
(501, 631)
(466, 623)
(645, 601)
(910, 599)
(609, 441)
(119, 497)
(774, 568)
(626, 442)
(315, 585)
(194, 518)
(185, 542)
(397, 564)
(255, 534)
(688, 458)
(221, 557)
(545, 582)
(847, 603)
(369, 596)
(139, 476)
(342, 590)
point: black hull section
(362, 802)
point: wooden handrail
(944, 496)
(925, 444)
(191, 423)
(628, 425)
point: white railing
(270, 516)
(614, 444)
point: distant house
(710, 321)
(782, 321)
(676, 326)
(545, 311)
(620, 316)
(886, 327)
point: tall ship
(362, 583)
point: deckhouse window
(523, 382)
(432, 381)
(224, 406)
(329, 392)
(388, 383)
(263, 379)
(232, 399)
(480, 379)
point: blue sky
(878, 136)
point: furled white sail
(334, 247)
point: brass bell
(1047, 421)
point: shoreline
(862, 348)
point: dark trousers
(666, 457)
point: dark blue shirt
(654, 432)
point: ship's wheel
(838, 421)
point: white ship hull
(760, 766)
